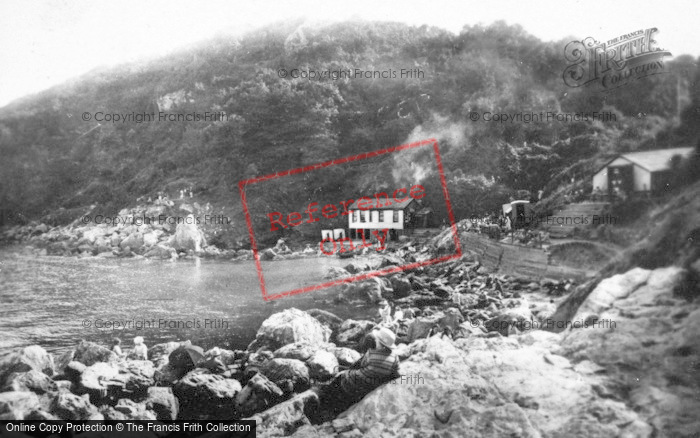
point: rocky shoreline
(175, 235)
(292, 349)
(469, 342)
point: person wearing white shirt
(140, 351)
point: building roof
(386, 204)
(653, 161)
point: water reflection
(46, 300)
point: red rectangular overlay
(389, 270)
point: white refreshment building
(395, 217)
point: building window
(396, 215)
(354, 216)
(381, 215)
(362, 217)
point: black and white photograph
(349, 219)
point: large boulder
(346, 356)
(352, 332)
(422, 326)
(151, 239)
(27, 359)
(114, 240)
(257, 395)
(99, 379)
(128, 410)
(267, 254)
(104, 379)
(167, 375)
(402, 286)
(333, 272)
(322, 366)
(73, 371)
(163, 402)
(372, 290)
(154, 210)
(286, 417)
(356, 267)
(226, 357)
(69, 406)
(133, 241)
(420, 298)
(289, 326)
(90, 353)
(41, 228)
(161, 252)
(302, 351)
(188, 237)
(611, 290)
(255, 362)
(203, 395)
(159, 353)
(140, 376)
(93, 233)
(18, 405)
(32, 381)
(508, 319)
(103, 249)
(391, 260)
(288, 374)
(326, 318)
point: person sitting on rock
(140, 351)
(117, 349)
(377, 366)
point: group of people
(186, 192)
(163, 199)
(139, 352)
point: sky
(46, 42)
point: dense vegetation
(52, 158)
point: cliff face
(665, 235)
(652, 355)
(205, 118)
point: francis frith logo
(615, 62)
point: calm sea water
(57, 301)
